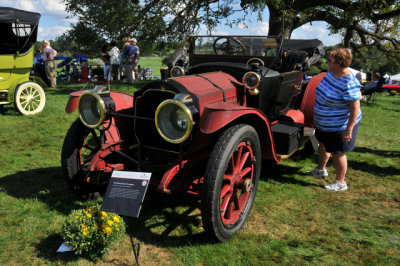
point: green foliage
(91, 232)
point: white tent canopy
(395, 77)
(355, 71)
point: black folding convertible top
(13, 15)
(312, 45)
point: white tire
(29, 98)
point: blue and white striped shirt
(331, 110)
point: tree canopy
(362, 23)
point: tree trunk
(275, 25)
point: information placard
(125, 193)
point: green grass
(293, 221)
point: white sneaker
(336, 186)
(318, 173)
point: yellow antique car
(18, 31)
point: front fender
(122, 101)
(218, 115)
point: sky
(54, 23)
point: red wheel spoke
(232, 164)
(245, 172)
(224, 204)
(243, 160)
(225, 189)
(238, 156)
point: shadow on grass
(374, 169)
(46, 185)
(382, 153)
(47, 249)
(283, 174)
(169, 221)
(165, 220)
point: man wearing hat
(135, 58)
(128, 58)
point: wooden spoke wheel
(231, 181)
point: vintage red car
(204, 128)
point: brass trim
(188, 114)
(102, 105)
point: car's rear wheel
(29, 98)
(230, 181)
(79, 147)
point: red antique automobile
(204, 128)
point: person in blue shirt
(337, 116)
(375, 78)
(128, 60)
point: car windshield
(236, 45)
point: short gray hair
(46, 42)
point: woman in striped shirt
(337, 115)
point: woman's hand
(347, 134)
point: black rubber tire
(71, 163)
(217, 165)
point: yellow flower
(116, 219)
(104, 214)
(108, 230)
(89, 215)
(110, 223)
(85, 231)
(83, 225)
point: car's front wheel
(29, 98)
(80, 146)
(230, 181)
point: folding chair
(374, 92)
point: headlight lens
(174, 121)
(177, 71)
(92, 109)
(251, 80)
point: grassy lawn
(293, 221)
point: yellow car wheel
(29, 98)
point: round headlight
(177, 71)
(251, 80)
(92, 109)
(174, 121)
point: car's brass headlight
(251, 80)
(177, 71)
(174, 121)
(92, 109)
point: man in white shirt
(114, 58)
(48, 58)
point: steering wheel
(229, 46)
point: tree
(362, 23)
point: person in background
(128, 59)
(337, 116)
(375, 78)
(105, 57)
(48, 57)
(114, 59)
(135, 58)
(121, 64)
(359, 76)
